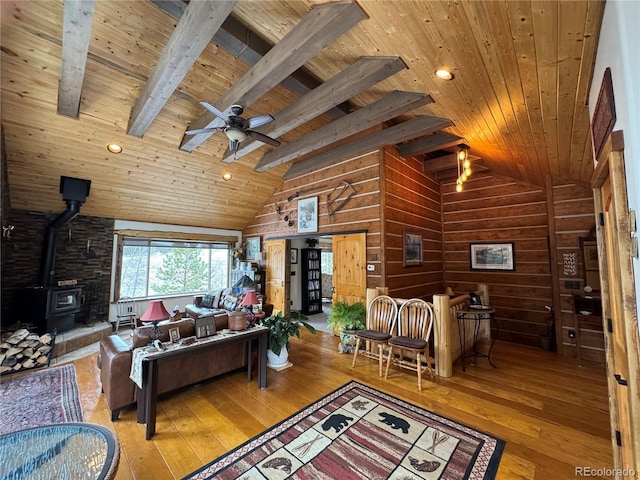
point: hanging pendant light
(464, 166)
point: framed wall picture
(253, 248)
(308, 215)
(492, 256)
(294, 256)
(174, 335)
(590, 251)
(411, 248)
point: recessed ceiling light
(444, 74)
(114, 148)
(227, 176)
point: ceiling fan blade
(233, 145)
(262, 138)
(260, 120)
(215, 111)
(202, 130)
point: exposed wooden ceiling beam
(416, 127)
(428, 144)
(198, 24)
(320, 27)
(358, 77)
(76, 35)
(445, 162)
(392, 105)
(247, 46)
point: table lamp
(248, 302)
(155, 313)
(244, 284)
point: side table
(475, 315)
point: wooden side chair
(126, 312)
(415, 324)
(381, 319)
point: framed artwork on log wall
(492, 256)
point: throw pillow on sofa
(230, 302)
(207, 300)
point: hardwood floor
(552, 412)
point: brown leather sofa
(114, 361)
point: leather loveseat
(116, 355)
(222, 301)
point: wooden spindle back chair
(414, 327)
(381, 318)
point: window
(151, 268)
(326, 262)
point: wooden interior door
(277, 272)
(619, 311)
(350, 268)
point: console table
(64, 450)
(148, 394)
(475, 315)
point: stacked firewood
(22, 350)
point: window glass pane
(219, 269)
(165, 267)
(176, 270)
(133, 282)
(326, 262)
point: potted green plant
(281, 329)
(346, 318)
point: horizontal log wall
(498, 209)
(573, 217)
(411, 203)
(360, 212)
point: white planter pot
(274, 360)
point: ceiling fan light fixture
(444, 74)
(114, 148)
(235, 135)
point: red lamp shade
(155, 312)
(250, 299)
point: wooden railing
(446, 334)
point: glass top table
(66, 450)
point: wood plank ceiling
(325, 71)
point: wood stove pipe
(74, 192)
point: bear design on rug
(336, 421)
(395, 422)
(281, 463)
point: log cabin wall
(572, 212)
(360, 213)
(411, 203)
(499, 209)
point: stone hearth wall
(84, 253)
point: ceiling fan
(236, 127)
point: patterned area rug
(358, 432)
(40, 398)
